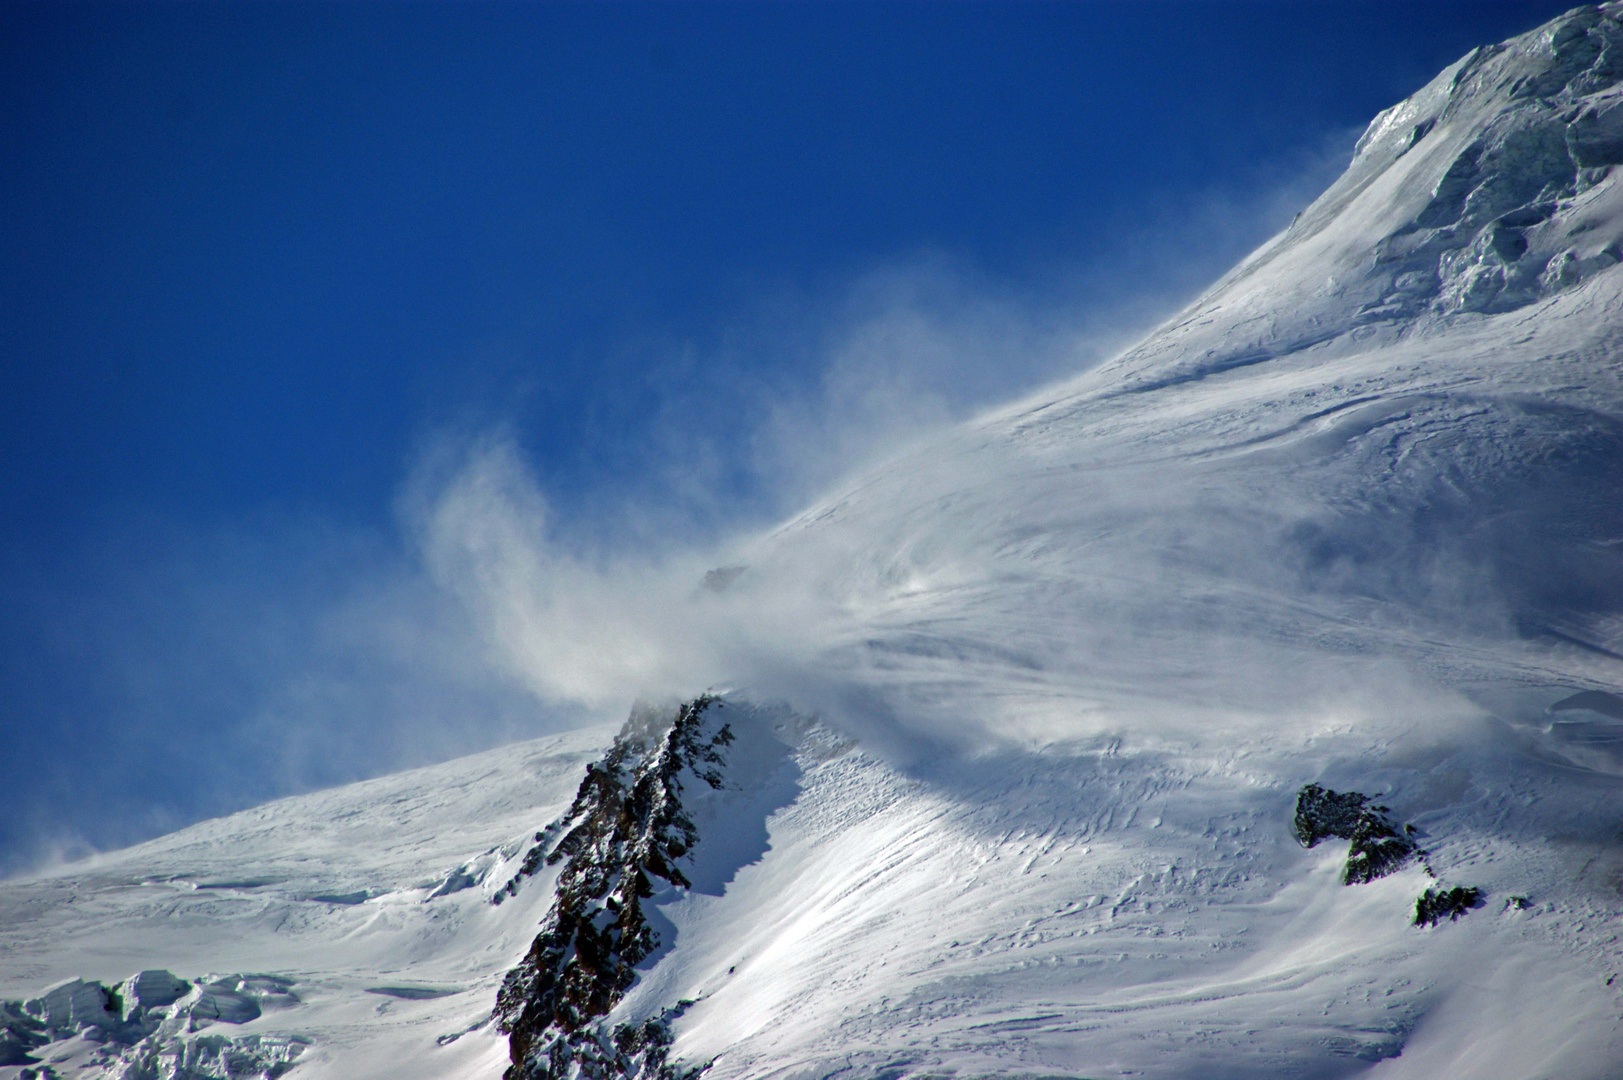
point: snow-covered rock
(629, 828)
(1376, 849)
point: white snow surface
(1060, 673)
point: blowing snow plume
(569, 628)
(1337, 481)
(660, 588)
(1389, 437)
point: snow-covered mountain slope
(373, 898)
(1347, 448)
(1353, 520)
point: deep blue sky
(254, 256)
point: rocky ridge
(625, 829)
(1434, 904)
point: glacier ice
(149, 1027)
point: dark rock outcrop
(1433, 905)
(626, 828)
(533, 861)
(1376, 848)
(630, 1051)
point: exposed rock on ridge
(626, 827)
(1434, 905)
(1376, 848)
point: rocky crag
(625, 830)
(1375, 848)
(1434, 905)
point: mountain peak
(1490, 189)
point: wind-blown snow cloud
(594, 624)
(594, 608)
(568, 627)
(274, 655)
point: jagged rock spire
(626, 827)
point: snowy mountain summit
(1248, 706)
